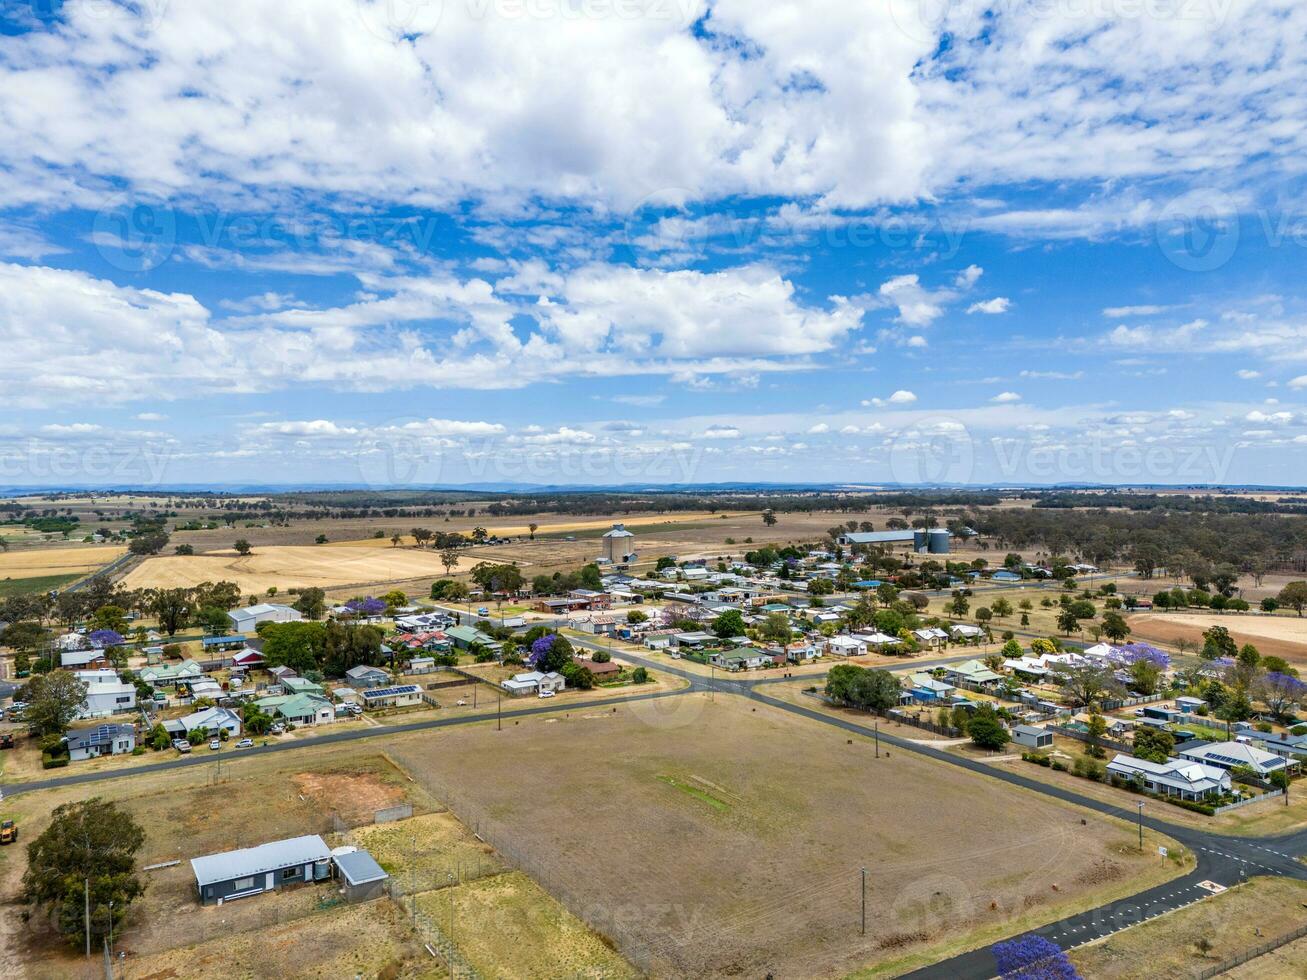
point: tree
(242, 546)
(25, 637)
(213, 620)
(1084, 683)
(637, 616)
(958, 605)
(552, 652)
(858, 687)
(1280, 692)
(776, 627)
(640, 676)
(1115, 628)
(577, 675)
(1217, 642)
(1153, 744)
(1067, 621)
(184, 549)
(149, 543)
(1294, 595)
(159, 739)
(1095, 732)
(89, 847)
(53, 701)
(299, 646)
(1033, 957)
(1145, 676)
(171, 608)
(312, 603)
(255, 720)
(1001, 607)
(769, 518)
(728, 624)
(820, 586)
(320, 539)
(984, 615)
(986, 730)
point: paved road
(1222, 859)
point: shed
(363, 878)
(1032, 737)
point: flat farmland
(39, 562)
(291, 566)
(708, 838)
(1280, 635)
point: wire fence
(1252, 954)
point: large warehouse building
(934, 540)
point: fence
(401, 812)
(1079, 736)
(1252, 954)
(435, 939)
(1252, 799)
(1116, 704)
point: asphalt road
(1222, 859)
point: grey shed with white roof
(251, 870)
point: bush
(53, 762)
(1298, 730)
(1263, 726)
(139, 750)
(1058, 765)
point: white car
(215, 744)
(462, 702)
(245, 743)
(546, 694)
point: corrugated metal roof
(359, 868)
(248, 861)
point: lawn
(744, 828)
(38, 583)
(1234, 921)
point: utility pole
(499, 708)
(1141, 825)
(877, 726)
(864, 901)
(86, 915)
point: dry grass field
(1280, 635)
(36, 562)
(1165, 948)
(291, 566)
(744, 830)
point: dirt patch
(354, 795)
(1277, 636)
(710, 837)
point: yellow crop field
(55, 561)
(287, 566)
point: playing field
(290, 566)
(1280, 635)
(36, 562)
(706, 838)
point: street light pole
(1141, 825)
(864, 901)
(877, 726)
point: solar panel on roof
(386, 691)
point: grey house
(251, 870)
(363, 676)
(90, 743)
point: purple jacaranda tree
(1132, 653)
(1280, 692)
(104, 639)
(1033, 958)
(366, 607)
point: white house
(846, 646)
(965, 631)
(106, 694)
(1175, 777)
(91, 743)
(535, 681)
(1230, 755)
(211, 720)
(246, 619)
(72, 659)
(931, 635)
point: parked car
(483, 611)
(546, 694)
(245, 743)
(181, 745)
(277, 729)
(8, 832)
(216, 744)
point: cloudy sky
(653, 241)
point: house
(605, 671)
(246, 619)
(693, 640)
(247, 659)
(801, 652)
(925, 688)
(965, 631)
(400, 696)
(210, 720)
(82, 659)
(846, 647)
(363, 675)
(740, 659)
(973, 672)
(358, 870)
(106, 694)
(1188, 705)
(1182, 778)
(91, 743)
(466, 637)
(1005, 575)
(694, 574)
(1236, 755)
(878, 639)
(422, 665)
(299, 709)
(535, 681)
(281, 672)
(1286, 746)
(931, 635)
(171, 675)
(221, 642)
(202, 687)
(252, 870)
(302, 685)
(1032, 737)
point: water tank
(321, 870)
(938, 541)
(919, 539)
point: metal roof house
(1233, 755)
(252, 870)
(246, 619)
(1032, 736)
(91, 743)
(1175, 777)
(363, 675)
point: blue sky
(652, 241)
